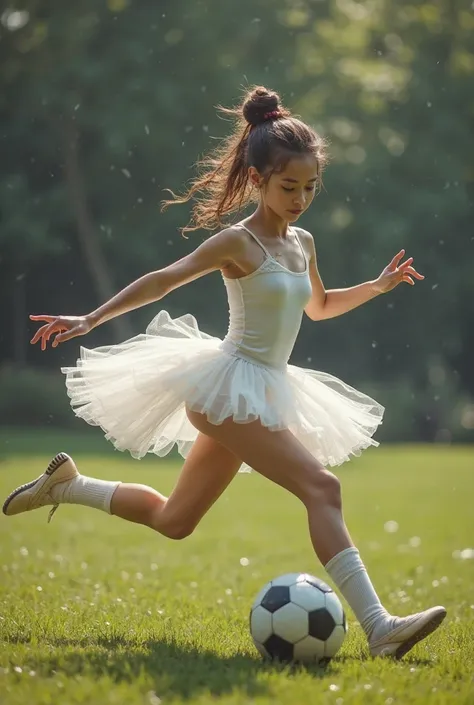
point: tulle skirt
(137, 392)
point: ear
(254, 177)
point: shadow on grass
(175, 669)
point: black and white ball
(297, 617)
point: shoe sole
(54, 465)
(425, 631)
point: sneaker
(397, 642)
(37, 493)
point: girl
(235, 402)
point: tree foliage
(103, 105)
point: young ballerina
(235, 402)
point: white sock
(350, 575)
(85, 490)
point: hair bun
(258, 103)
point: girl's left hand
(396, 273)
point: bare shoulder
(234, 235)
(230, 241)
(307, 241)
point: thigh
(207, 471)
(277, 455)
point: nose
(298, 201)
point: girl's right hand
(65, 328)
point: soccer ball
(297, 617)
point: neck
(267, 222)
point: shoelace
(51, 512)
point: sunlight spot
(51, 574)
(18, 669)
(333, 687)
(39, 588)
(24, 551)
(465, 554)
(228, 591)
(15, 19)
(415, 541)
(391, 527)
(244, 561)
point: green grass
(94, 610)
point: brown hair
(266, 136)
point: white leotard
(265, 310)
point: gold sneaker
(397, 642)
(36, 493)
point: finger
(39, 333)
(406, 263)
(42, 318)
(408, 280)
(394, 263)
(67, 335)
(413, 272)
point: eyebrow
(295, 181)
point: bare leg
(207, 471)
(281, 458)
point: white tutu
(137, 392)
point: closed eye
(307, 188)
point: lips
(295, 212)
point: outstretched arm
(334, 302)
(216, 252)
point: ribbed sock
(85, 490)
(350, 575)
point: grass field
(94, 610)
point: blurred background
(105, 104)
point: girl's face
(290, 191)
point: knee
(324, 488)
(176, 531)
